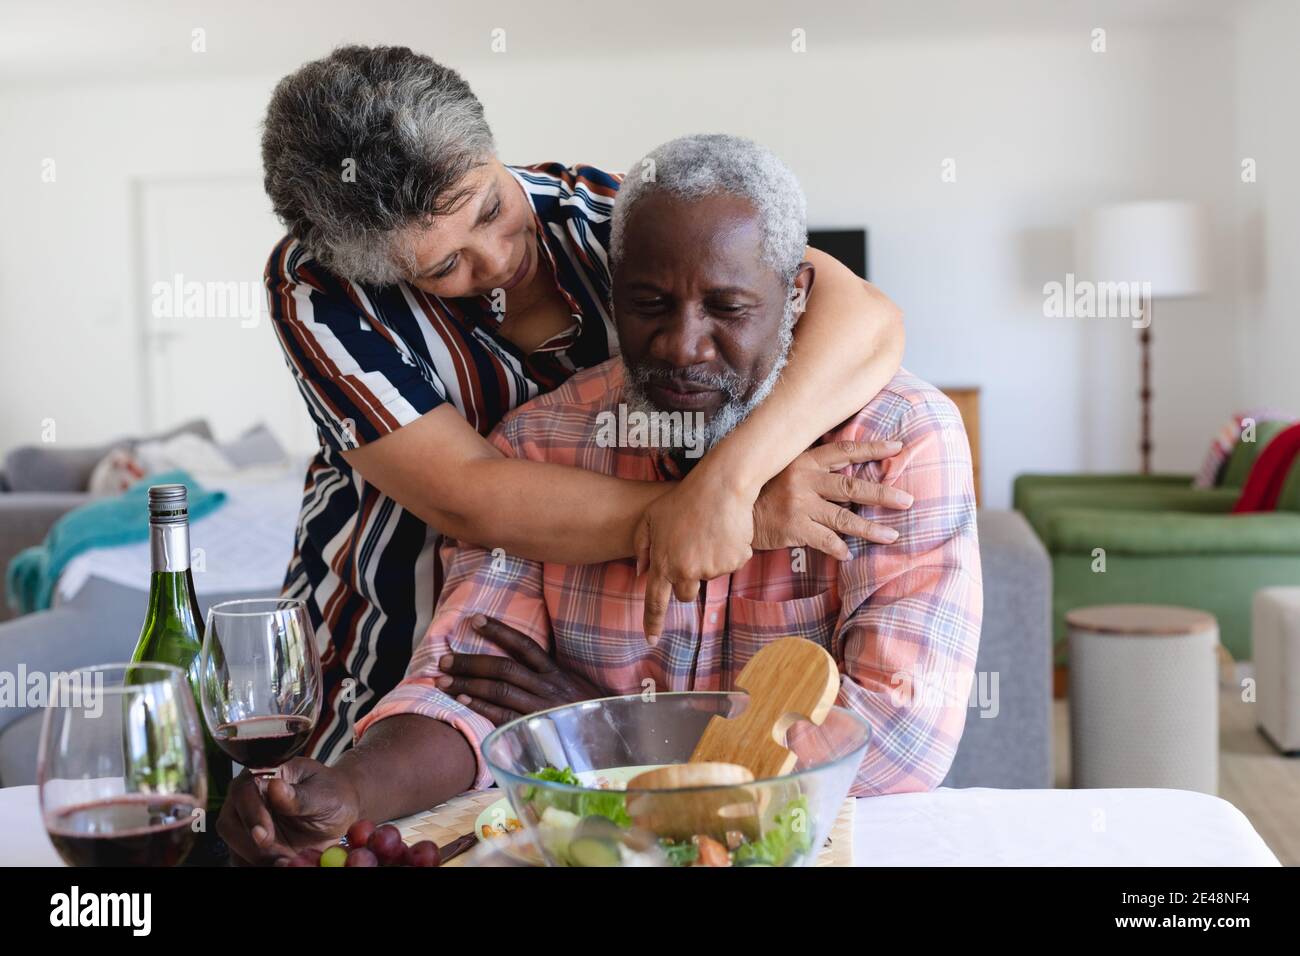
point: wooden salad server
(686, 810)
(787, 680)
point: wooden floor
(1253, 776)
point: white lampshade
(1163, 243)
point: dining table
(943, 827)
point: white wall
(69, 290)
(1040, 127)
(1268, 79)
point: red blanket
(1268, 474)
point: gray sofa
(26, 518)
(41, 483)
(1010, 749)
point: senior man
(707, 247)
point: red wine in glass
(122, 772)
(129, 830)
(260, 680)
(263, 743)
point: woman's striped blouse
(370, 359)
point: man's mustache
(729, 383)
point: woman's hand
(704, 528)
(307, 805)
(701, 529)
(801, 506)
(503, 688)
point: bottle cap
(169, 504)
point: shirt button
(713, 618)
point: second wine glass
(260, 680)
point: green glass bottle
(173, 634)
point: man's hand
(503, 688)
(801, 505)
(307, 805)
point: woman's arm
(453, 479)
(847, 346)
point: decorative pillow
(1214, 470)
(1244, 456)
(116, 472)
(198, 456)
(53, 467)
(123, 467)
(257, 446)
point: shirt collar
(546, 243)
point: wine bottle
(173, 634)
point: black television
(847, 245)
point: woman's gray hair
(363, 144)
(711, 163)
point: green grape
(334, 856)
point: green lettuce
(590, 803)
(789, 838)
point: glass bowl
(577, 814)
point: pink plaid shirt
(902, 620)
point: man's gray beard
(736, 407)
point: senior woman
(423, 290)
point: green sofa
(1162, 541)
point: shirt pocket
(753, 624)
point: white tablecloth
(975, 827)
(983, 827)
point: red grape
(424, 853)
(386, 843)
(359, 833)
(361, 856)
(311, 855)
(300, 860)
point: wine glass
(121, 772)
(260, 680)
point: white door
(209, 348)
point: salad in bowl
(565, 774)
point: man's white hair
(708, 164)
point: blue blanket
(124, 519)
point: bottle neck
(169, 547)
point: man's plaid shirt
(902, 620)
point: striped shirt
(901, 620)
(371, 359)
